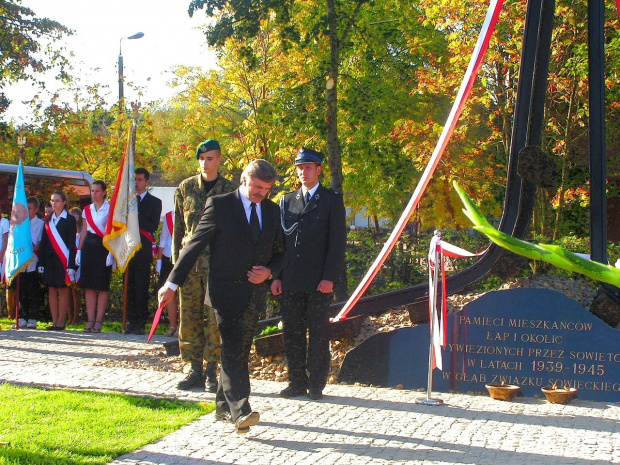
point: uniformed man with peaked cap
(314, 223)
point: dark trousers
(29, 295)
(308, 361)
(138, 286)
(237, 329)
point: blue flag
(19, 252)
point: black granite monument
(529, 337)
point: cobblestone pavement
(351, 425)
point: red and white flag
(438, 317)
(122, 231)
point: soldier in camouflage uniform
(198, 334)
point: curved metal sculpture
(527, 135)
(520, 193)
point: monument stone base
(529, 337)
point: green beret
(207, 146)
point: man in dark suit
(314, 223)
(149, 212)
(242, 230)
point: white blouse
(100, 217)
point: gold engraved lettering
(541, 339)
(595, 356)
(487, 350)
(494, 336)
(545, 353)
(473, 378)
(549, 325)
(501, 365)
(518, 380)
(481, 321)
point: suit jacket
(149, 212)
(315, 249)
(224, 228)
(189, 203)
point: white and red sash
(91, 221)
(59, 247)
(150, 237)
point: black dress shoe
(223, 416)
(243, 423)
(315, 394)
(293, 391)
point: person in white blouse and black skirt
(94, 259)
(57, 258)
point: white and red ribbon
(59, 247)
(436, 272)
(475, 62)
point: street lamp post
(21, 142)
(121, 95)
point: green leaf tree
(25, 46)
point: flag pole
(122, 234)
(125, 286)
(432, 299)
(21, 141)
(19, 249)
(132, 142)
(17, 303)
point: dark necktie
(254, 224)
(307, 198)
(139, 198)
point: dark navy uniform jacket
(315, 248)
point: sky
(171, 38)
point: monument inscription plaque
(528, 337)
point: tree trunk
(568, 146)
(331, 97)
(376, 222)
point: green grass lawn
(108, 326)
(50, 427)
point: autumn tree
(246, 104)
(333, 23)
(566, 137)
(25, 46)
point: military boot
(195, 378)
(211, 377)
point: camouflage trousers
(199, 338)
